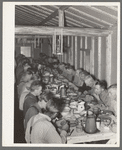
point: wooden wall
(96, 54)
(114, 56)
(46, 47)
(99, 57)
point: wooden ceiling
(97, 17)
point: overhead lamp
(58, 43)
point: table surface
(79, 137)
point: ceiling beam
(61, 18)
(39, 30)
(54, 14)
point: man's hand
(63, 125)
(66, 127)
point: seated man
(54, 67)
(25, 91)
(19, 57)
(112, 90)
(27, 76)
(100, 90)
(41, 130)
(31, 98)
(111, 102)
(88, 83)
(83, 74)
(70, 73)
(45, 79)
(61, 66)
(112, 98)
(21, 68)
(37, 107)
(77, 80)
(108, 97)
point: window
(26, 51)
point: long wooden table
(81, 137)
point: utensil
(71, 132)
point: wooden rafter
(41, 30)
(30, 12)
(90, 16)
(54, 14)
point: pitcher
(62, 90)
(90, 124)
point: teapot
(90, 123)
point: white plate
(72, 94)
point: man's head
(89, 81)
(83, 74)
(54, 107)
(45, 77)
(36, 88)
(27, 76)
(28, 84)
(26, 66)
(44, 98)
(100, 86)
(112, 91)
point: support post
(76, 52)
(81, 52)
(108, 59)
(61, 24)
(68, 44)
(71, 56)
(99, 58)
(92, 56)
(35, 42)
(85, 53)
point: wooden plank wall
(96, 57)
(88, 54)
(103, 58)
(100, 60)
(114, 56)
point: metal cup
(51, 78)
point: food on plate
(74, 105)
